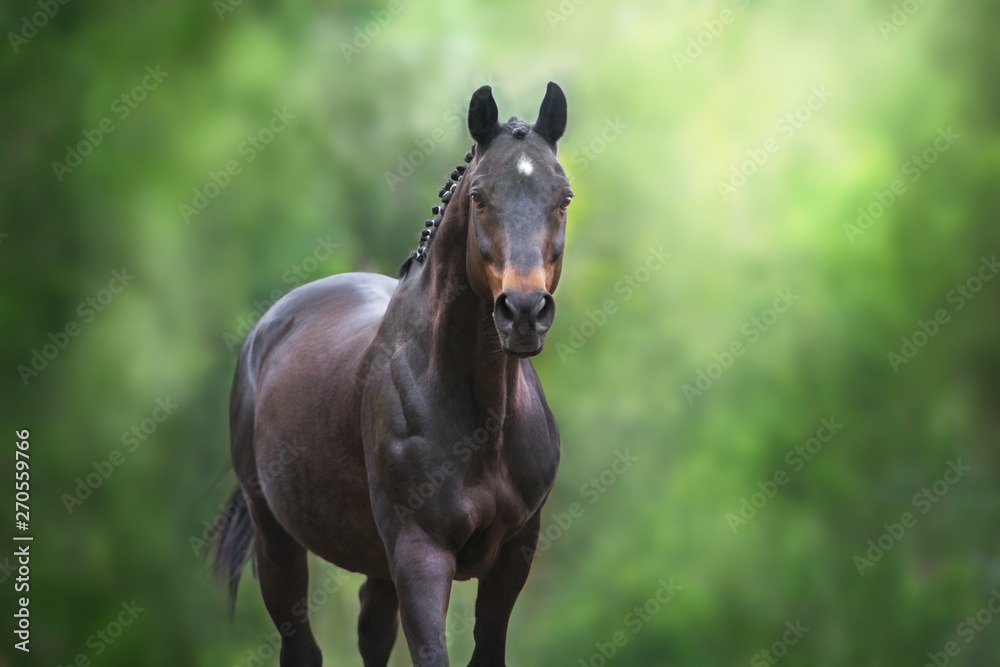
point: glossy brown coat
(397, 428)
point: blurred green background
(666, 101)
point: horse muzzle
(522, 320)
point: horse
(397, 428)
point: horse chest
(493, 512)
(468, 477)
(471, 489)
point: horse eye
(565, 202)
(477, 201)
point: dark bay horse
(397, 428)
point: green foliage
(666, 101)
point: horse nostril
(503, 313)
(546, 312)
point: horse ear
(483, 124)
(551, 121)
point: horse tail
(234, 535)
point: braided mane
(431, 225)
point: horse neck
(464, 339)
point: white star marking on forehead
(524, 166)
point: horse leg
(284, 583)
(423, 571)
(378, 622)
(497, 593)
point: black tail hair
(233, 533)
